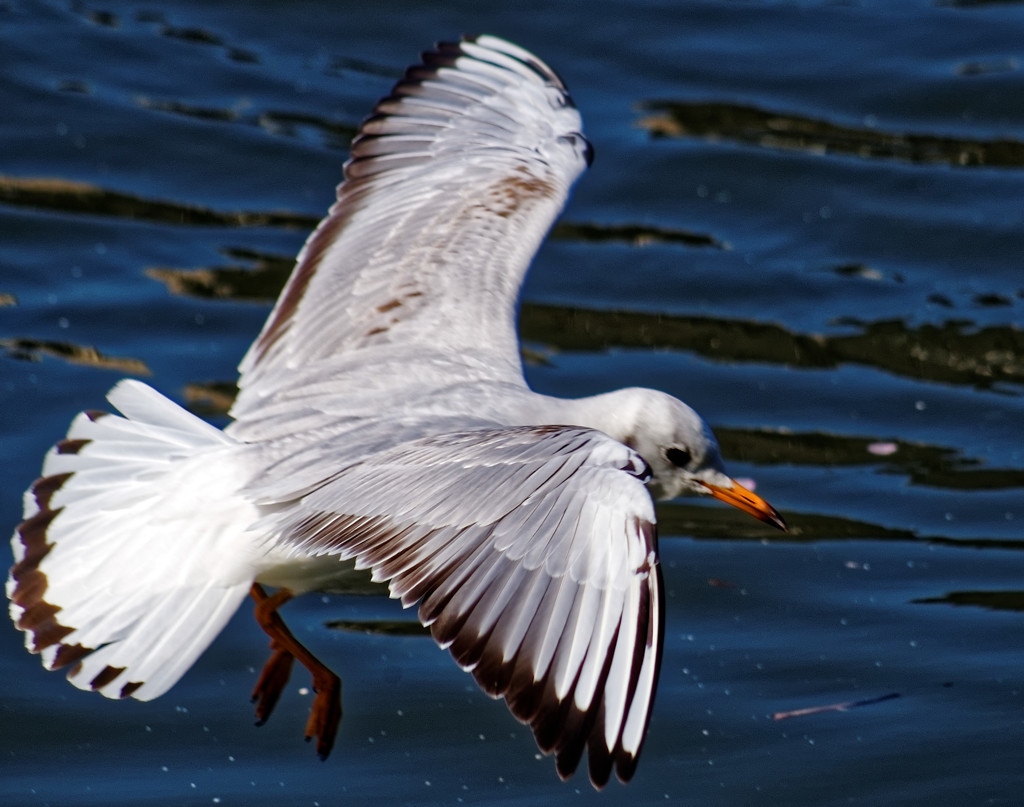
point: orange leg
(325, 716)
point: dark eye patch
(679, 457)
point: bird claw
(325, 714)
(271, 683)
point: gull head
(680, 449)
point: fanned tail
(132, 554)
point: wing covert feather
(451, 185)
(542, 583)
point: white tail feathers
(133, 554)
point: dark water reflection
(80, 197)
(814, 237)
(772, 129)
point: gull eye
(679, 457)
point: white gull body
(383, 423)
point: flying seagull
(383, 424)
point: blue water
(856, 292)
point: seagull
(383, 427)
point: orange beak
(747, 501)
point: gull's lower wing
(532, 554)
(451, 185)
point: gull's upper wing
(451, 186)
(532, 553)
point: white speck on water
(883, 449)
